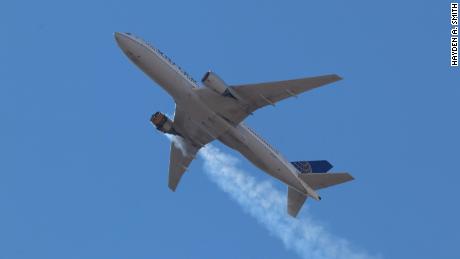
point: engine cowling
(163, 123)
(214, 82)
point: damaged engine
(163, 123)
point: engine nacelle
(163, 123)
(214, 82)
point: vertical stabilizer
(317, 166)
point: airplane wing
(259, 95)
(185, 147)
(254, 96)
(181, 155)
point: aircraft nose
(122, 37)
(128, 44)
(118, 36)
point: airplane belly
(261, 156)
(238, 144)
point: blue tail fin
(318, 166)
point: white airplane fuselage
(183, 88)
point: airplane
(217, 110)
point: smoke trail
(268, 205)
(178, 143)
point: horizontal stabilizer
(318, 166)
(319, 181)
(295, 201)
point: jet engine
(214, 82)
(163, 123)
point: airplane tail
(320, 181)
(316, 181)
(317, 166)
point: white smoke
(268, 206)
(178, 142)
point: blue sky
(83, 174)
